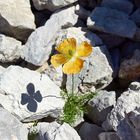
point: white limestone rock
(10, 49)
(11, 128)
(29, 95)
(55, 131)
(51, 5)
(39, 45)
(16, 18)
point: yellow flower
(70, 55)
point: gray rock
(135, 16)
(29, 95)
(108, 20)
(100, 106)
(55, 131)
(120, 5)
(39, 45)
(126, 103)
(97, 72)
(10, 49)
(11, 128)
(90, 131)
(51, 5)
(130, 68)
(17, 22)
(129, 127)
(108, 136)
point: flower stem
(72, 83)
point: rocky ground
(29, 33)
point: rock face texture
(17, 20)
(55, 131)
(100, 106)
(108, 20)
(51, 5)
(29, 95)
(10, 49)
(10, 127)
(126, 103)
(38, 47)
(129, 127)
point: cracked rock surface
(29, 95)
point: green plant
(71, 56)
(75, 106)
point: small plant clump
(71, 56)
(75, 106)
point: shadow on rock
(31, 98)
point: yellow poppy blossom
(70, 55)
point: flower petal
(73, 66)
(67, 47)
(84, 49)
(58, 59)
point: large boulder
(51, 5)
(17, 20)
(10, 49)
(29, 95)
(39, 45)
(108, 20)
(10, 127)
